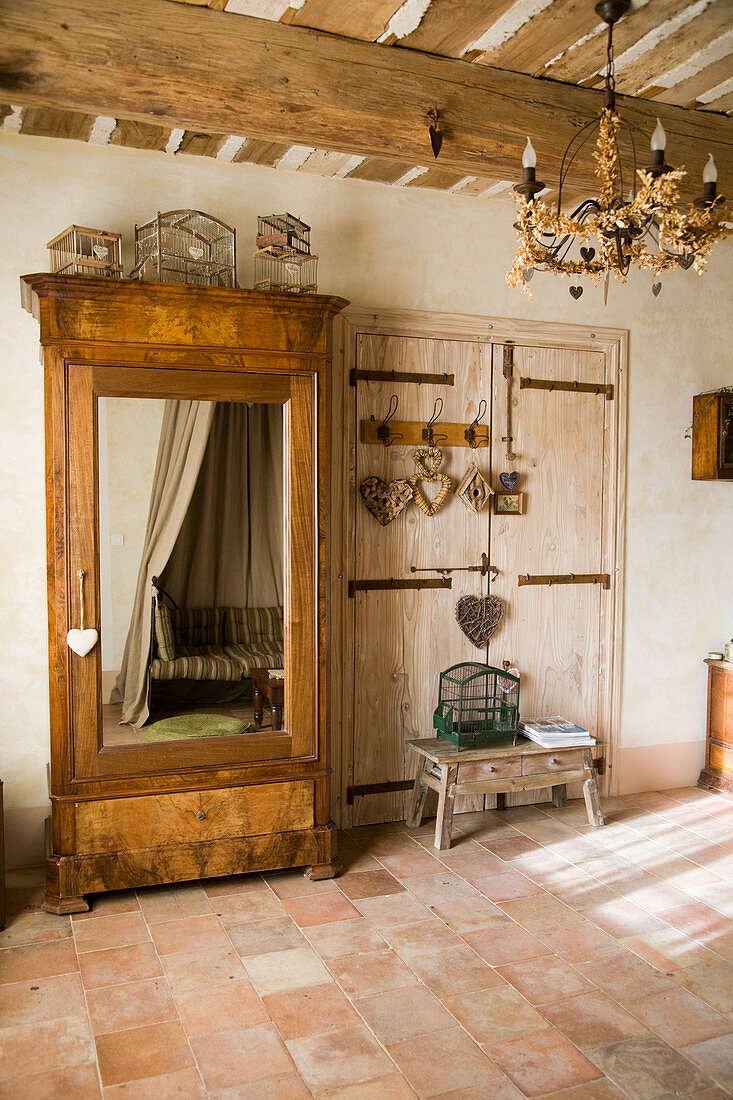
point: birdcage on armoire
(477, 705)
(185, 246)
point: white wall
(408, 249)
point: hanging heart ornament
(509, 480)
(196, 251)
(82, 641)
(385, 499)
(478, 618)
(428, 460)
(101, 251)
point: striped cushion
(164, 633)
(263, 655)
(207, 667)
(250, 625)
(197, 626)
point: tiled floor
(536, 958)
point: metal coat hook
(383, 431)
(428, 434)
(470, 432)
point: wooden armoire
(126, 815)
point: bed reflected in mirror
(191, 568)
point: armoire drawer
(721, 757)
(191, 817)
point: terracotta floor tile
(422, 939)
(501, 1089)
(118, 965)
(41, 999)
(698, 921)
(294, 884)
(592, 1020)
(32, 925)
(339, 1058)
(103, 905)
(458, 970)
(625, 977)
(579, 942)
(231, 884)
(51, 1044)
(509, 848)
(116, 930)
(411, 863)
(540, 913)
(394, 1087)
(545, 979)
(371, 972)
(603, 1089)
(164, 903)
(182, 1084)
(136, 1004)
(321, 909)
(277, 970)
(78, 1082)
(310, 1010)
(548, 1062)
(393, 909)
(190, 970)
(332, 941)
(189, 934)
(281, 1086)
(220, 1007)
(249, 906)
(241, 1055)
(369, 884)
(491, 1015)
(472, 863)
(506, 944)
(507, 887)
(711, 981)
(649, 1069)
(402, 1013)
(715, 1058)
(623, 918)
(668, 950)
(681, 1019)
(37, 960)
(142, 1052)
(431, 1062)
(262, 936)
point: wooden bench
(497, 769)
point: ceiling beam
(211, 72)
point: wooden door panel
(404, 639)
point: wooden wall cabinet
(126, 815)
(712, 437)
(718, 770)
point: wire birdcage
(185, 246)
(82, 251)
(283, 233)
(293, 271)
(477, 705)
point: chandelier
(650, 227)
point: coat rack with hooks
(434, 433)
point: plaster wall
(384, 248)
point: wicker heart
(385, 500)
(430, 507)
(479, 618)
(509, 480)
(428, 460)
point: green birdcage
(477, 705)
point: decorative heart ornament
(385, 499)
(428, 460)
(528, 273)
(656, 287)
(196, 251)
(686, 260)
(82, 641)
(509, 480)
(587, 254)
(479, 618)
(575, 292)
(100, 251)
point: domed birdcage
(477, 705)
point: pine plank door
(404, 639)
(554, 634)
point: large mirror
(191, 568)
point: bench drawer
(487, 770)
(558, 760)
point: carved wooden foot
(60, 906)
(318, 871)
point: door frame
(355, 321)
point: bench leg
(446, 799)
(591, 793)
(417, 797)
(559, 795)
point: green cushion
(195, 725)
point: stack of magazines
(555, 732)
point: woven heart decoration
(428, 460)
(478, 618)
(385, 499)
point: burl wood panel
(192, 817)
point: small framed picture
(508, 504)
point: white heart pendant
(196, 251)
(100, 251)
(82, 641)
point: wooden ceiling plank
(285, 84)
(438, 179)
(201, 145)
(723, 103)
(547, 34)
(50, 122)
(140, 135)
(686, 93)
(449, 27)
(671, 51)
(589, 56)
(363, 19)
(262, 152)
(379, 171)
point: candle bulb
(659, 138)
(529, 159)
(710, 172)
